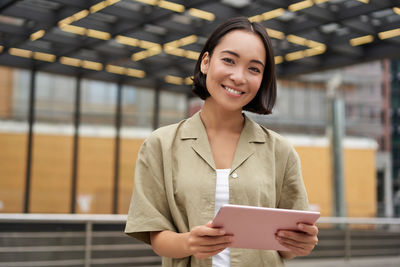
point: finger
(217, 240)
(296, 248)
(211, 241)
(296, 244)
(298, 239)
(298, 236)
(207, 231)
(212, 248)
(310, 229)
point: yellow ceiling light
(140, 55)
(297, 39)
(71, 61)
(112, 2)
(294, 55)
(396, 10)
(37, 35)
(201, 14)
(97, 7)
(103, 4)
(320, 1)
(256, 18)
(174, 79)
(311, 43)
(92, 65)
(181, 42)
(75, 17)
(275, 34)
(116, 69)
(44, 56)
(189, 80)
(192, 54)
(127, 40)
(155, 50)
(363, 1)
(148, 2)
(1, 48)
(65, 21)
(188, 40)
(272, 14)
(73, 29)
(80, 15)
(20, 52)
(278, 59)
(315, 51)
(361, 40)
(179, 52)
(148, 45)
(171, 6)
(389, 34)
(300, 5)
(136, 73)
(151, 50)
(98, 34)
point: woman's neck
(216, 118)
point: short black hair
(265, 99)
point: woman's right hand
(204, 241)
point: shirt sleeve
(293, 194)
(149, 210)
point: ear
(205, 63)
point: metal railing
(98, 240)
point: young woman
(186, 171)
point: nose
(238, 75)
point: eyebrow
(237, 55)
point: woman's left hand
(300, 242)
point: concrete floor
(353, 262)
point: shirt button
(234, 175)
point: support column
(75, 160)
(387, 146)
(336, 132)
(31, 120)
(156, 112)
(118, 120)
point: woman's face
(235, 69)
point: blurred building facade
(301, 110)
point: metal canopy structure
(155, 43)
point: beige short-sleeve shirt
(175, 182)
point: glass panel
(137, 121)
(172, 107)
(137, 107)
(96, 147)
(52, 143)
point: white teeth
(230, 90)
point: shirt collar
(193, 128)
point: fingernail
(281, 234)
(221, 232)
(301, 226)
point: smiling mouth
(232, 91)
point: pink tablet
(255, 227)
